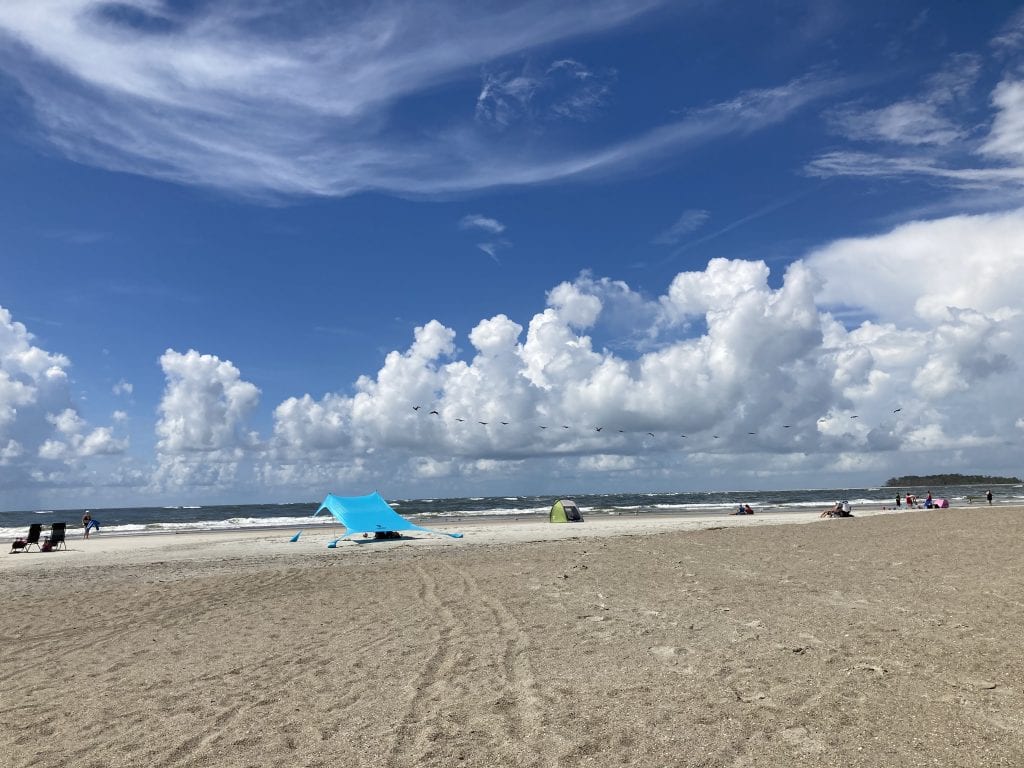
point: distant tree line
(949, 480)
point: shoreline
(139, 547)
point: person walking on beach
(898, 499)
(89, 524)
(988, 495)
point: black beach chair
(22, 545)
(56, 539)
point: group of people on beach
(744, 509)
(913, 502)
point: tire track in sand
(412, 742)
(476, 692)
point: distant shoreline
(909, 480)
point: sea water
(143, 520)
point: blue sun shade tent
(369, 514)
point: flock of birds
(435, 412)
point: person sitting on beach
(835, 510)
(747, 510)
(89, 524)
(740, 511)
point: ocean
(143, 520)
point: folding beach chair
(22, 545)
(56, 539)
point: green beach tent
(565, 511)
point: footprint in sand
(802, 740)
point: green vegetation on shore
(949, 480)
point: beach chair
(22, 545)
(56, 539)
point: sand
(886, 640)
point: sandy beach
(886, 640)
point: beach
(883, 640)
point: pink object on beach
(941, 503)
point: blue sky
(242, 240)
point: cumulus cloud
(202, 430)
(901, 347)
(208, 94)
(123, 388)
(38, 421)
(773, 380)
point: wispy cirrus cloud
(490, 226)
(939, 134)
(238, 96)
(689, 221)
(485, 223)
(927, 119)
(565, 90)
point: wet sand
(888, 640)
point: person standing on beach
(988, 495)
(89, 524)
(898, 499)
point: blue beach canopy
(369, 514)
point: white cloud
(1006, 139)
(906, 122)
(214, 99)
(205, 404)
(38, 421)
(202, 430)
(485, 223)
(936, 135)
(1011, 35)
(67, 421)
(123, 388)
(490, 226)
(899, 348)
(565, 90)
(688, 222)
(769, 357)
(913, 274)
(931, 118)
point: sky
(257, 251)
